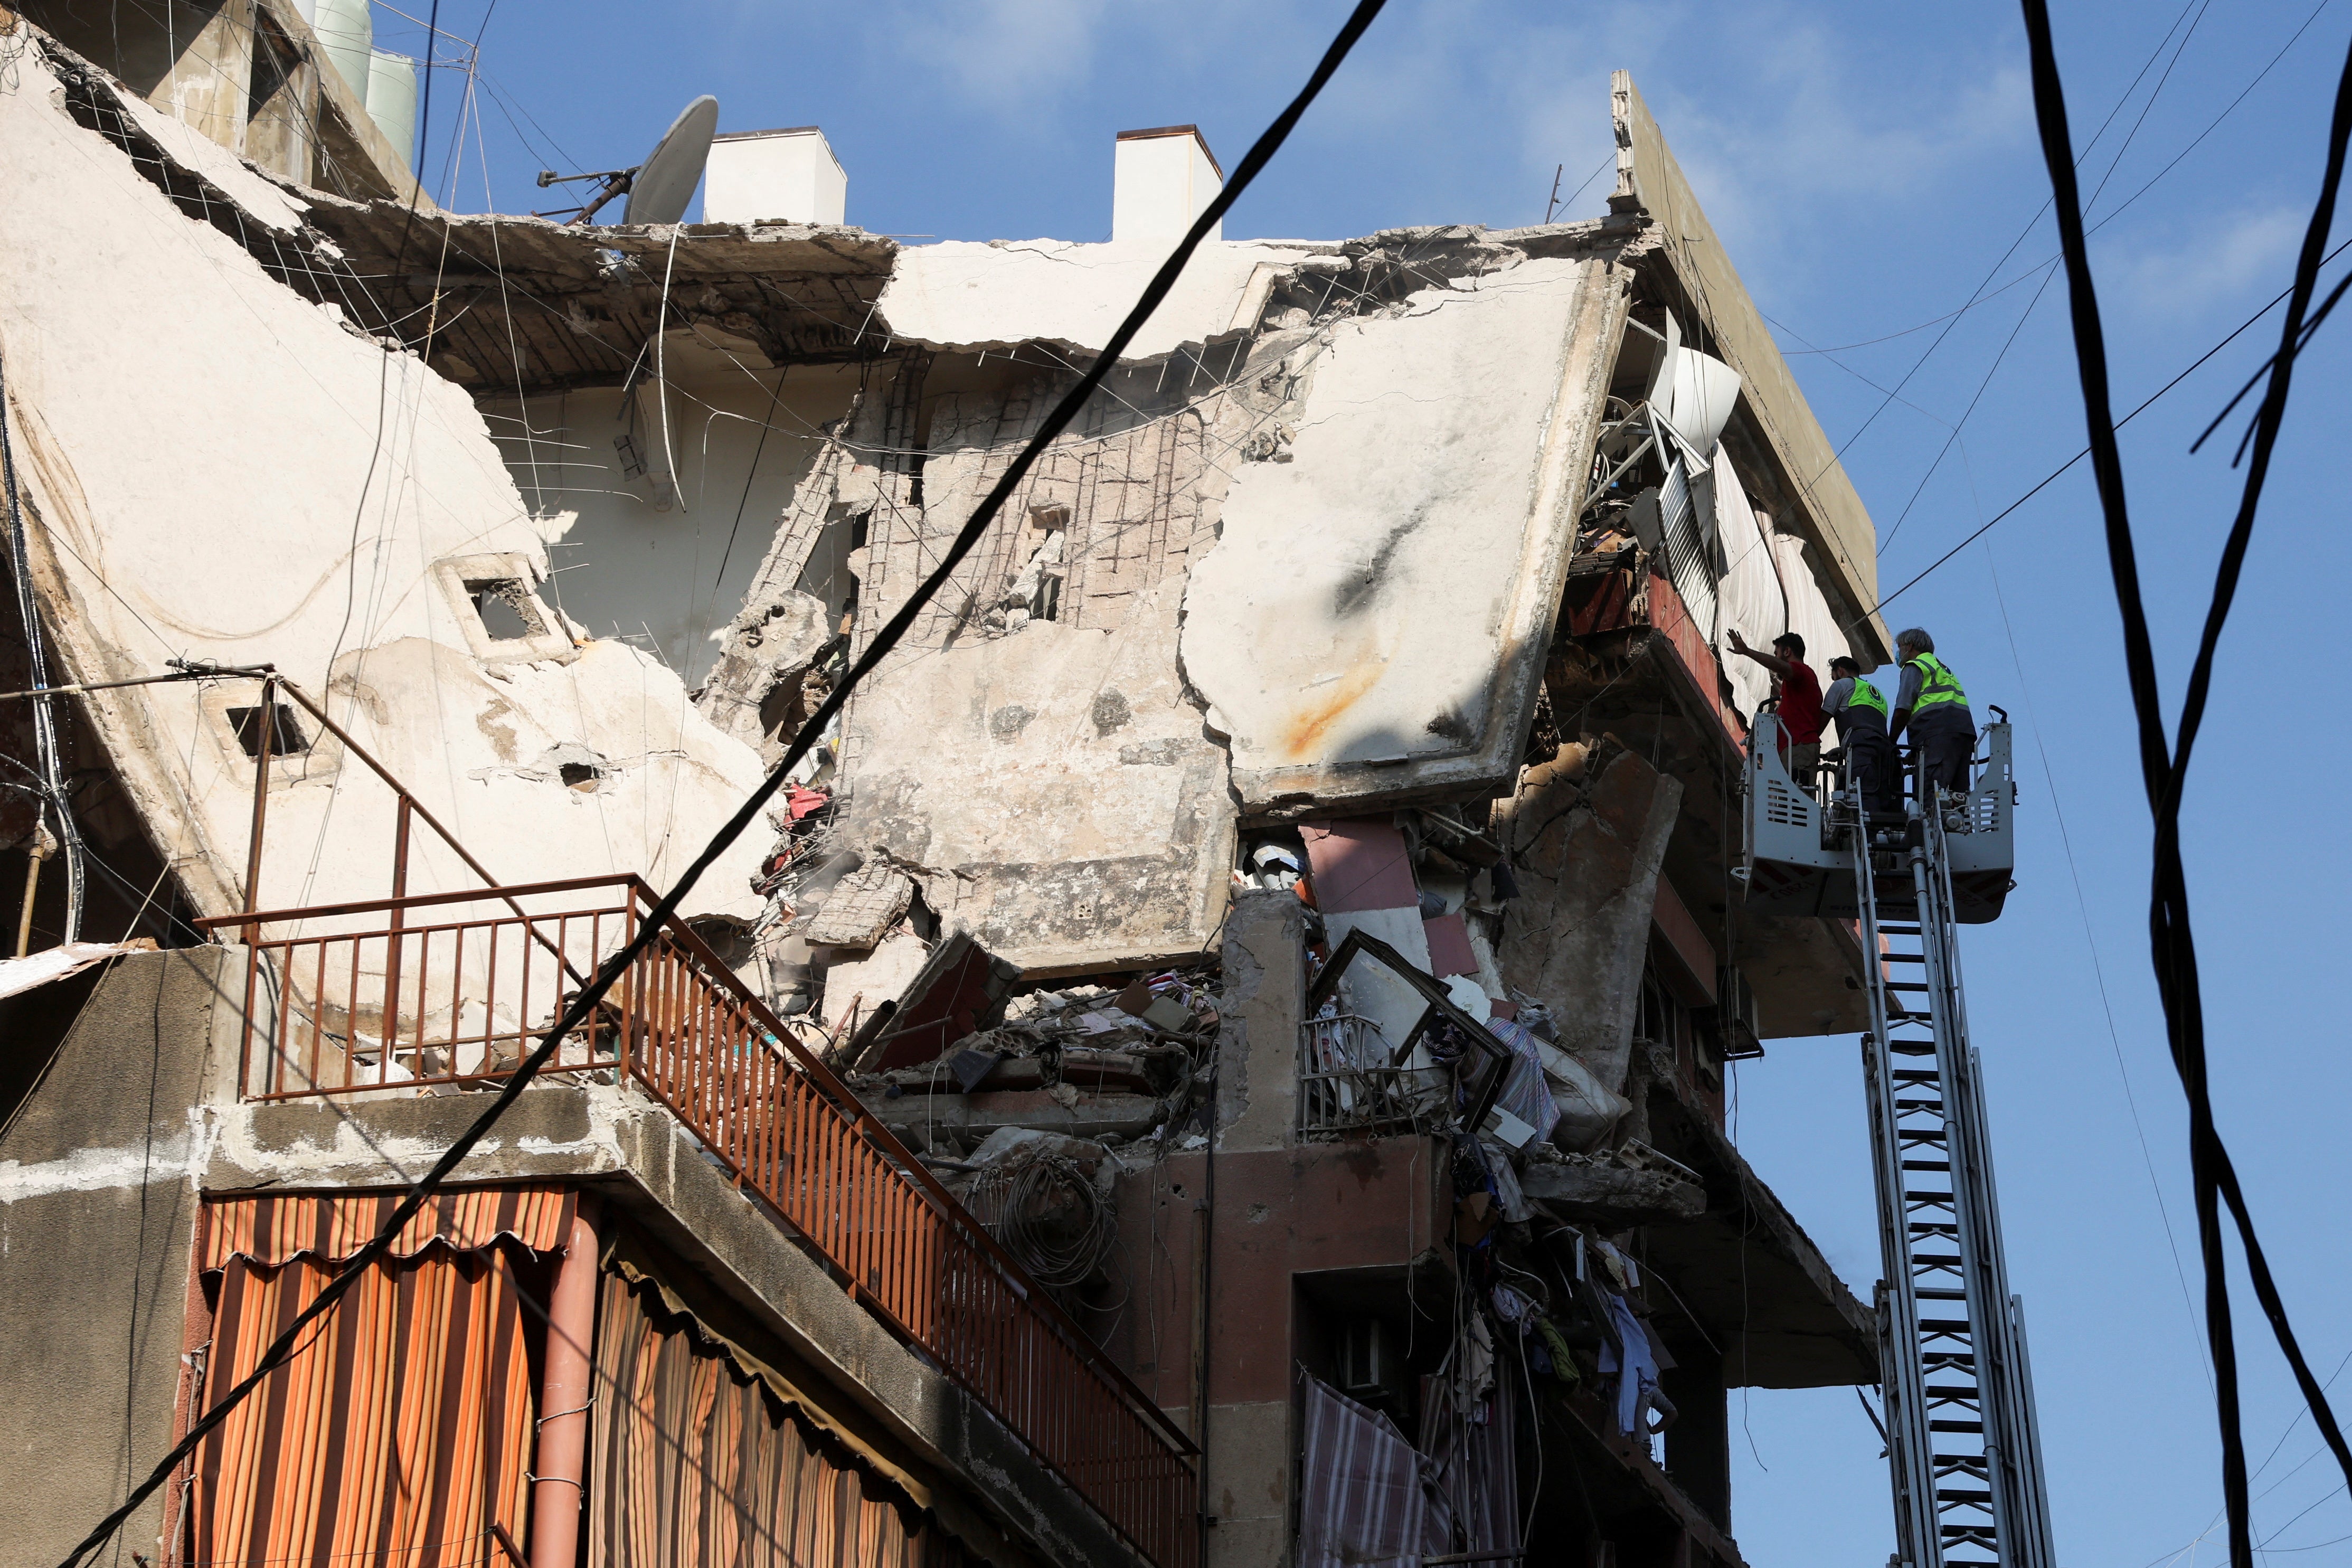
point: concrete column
(561, 1469)
(1698, 1444)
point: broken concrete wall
(1102, 838)
(1030, 751)
(1053, 794)
(657, 534)
(101, 1155)
(1588, 831)
(1371, 623)
(215, 468)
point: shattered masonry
(1281, 891)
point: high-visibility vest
(1865, 695)
(1937, 684)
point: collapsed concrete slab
(1370, 625)
(1588, 832)
(324, 505)
(1005, 293)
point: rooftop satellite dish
(666, 180)
(658, 188)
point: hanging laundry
(1472, 1453)
(1625, 1355)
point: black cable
(2051, 477)
(2170, 915)
(2139, 660)
(2171, 938)
(1261, 153)
(750, 474)
(2262, 369)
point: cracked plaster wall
(215, 468)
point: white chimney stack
(1162, 181)
(787, 176)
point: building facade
(1216, 1056)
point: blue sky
(1867, 165)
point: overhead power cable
(1261, 153)
(2051, 477)
(2164, 768)
(1978, 296)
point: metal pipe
(202, 673)
(43, 847)
(559, 1488)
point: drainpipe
(559, 1488)
(43, 844)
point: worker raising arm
(1799, 694)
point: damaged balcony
(439, 994)
(1259, 963)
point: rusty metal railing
(424, 996)
(455, 988)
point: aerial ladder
(1964, 1447)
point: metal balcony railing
(415, 991)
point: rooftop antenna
(658, 188)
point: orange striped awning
(697, 1462)
(331, 1226)
(398, 1436)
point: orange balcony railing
(454, 988)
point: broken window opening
(285, 736)
(509, 612)
(1045, 603)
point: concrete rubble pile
(1285, 885)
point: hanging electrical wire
(1049, 1214)
(45, 718)
(2163, 766)
(656, 920)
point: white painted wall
(787, 175)
(1159, 184)
(220, 470)
(622, 567)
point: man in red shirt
(1798, 693)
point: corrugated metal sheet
(395, 1436)
(698, 1465)
(268, 1231)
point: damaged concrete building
(1217, 1057)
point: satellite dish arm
(616, 183)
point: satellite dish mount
(659, 188)
(616, 183)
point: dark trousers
(1947, 737)
(1875, 771)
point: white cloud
(1004, 54)
(2184, 274)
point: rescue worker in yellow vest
(1860, 708)
(1932, 706)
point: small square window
(494, 600)
(285, 736)
(509, 612)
